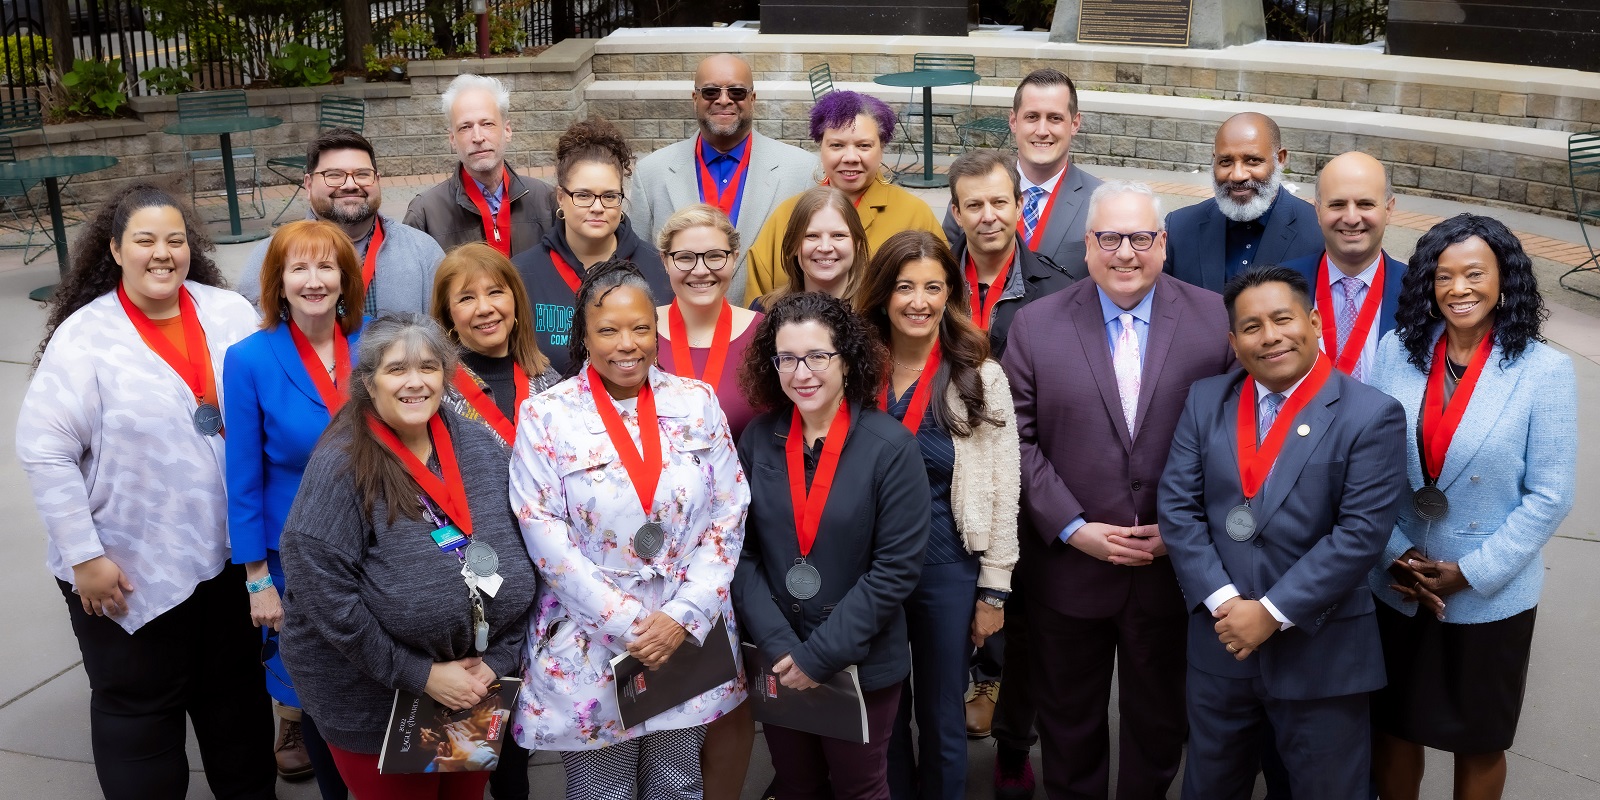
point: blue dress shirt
(722, 167)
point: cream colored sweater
(987, 482)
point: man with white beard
(1251, 220)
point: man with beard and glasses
(344, 188)
(728, 163)
(1251, 220)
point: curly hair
(1519, 312)
(94, 271)
(839, 110)
(963, 346)
(602, 279)
(593, 139)
(865, 358)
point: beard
(1266, 192)
(345, 215)
(729, 131)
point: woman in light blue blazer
(1493, 444)
(283, 384)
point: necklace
(1450, 367)
(903, 366)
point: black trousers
(201, 658)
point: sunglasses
(735, 93)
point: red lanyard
(1346, 360)
(334, 390)
(1439, 422)
(1044, 216)
(450, 493)
(496, 231)
(644, 469)
(486, 408)
(920, 397)
(194, 370)
(565, 271)
(808, 505)
(369, 266)
(983, 312)
(708, 186)
(856, 202)
(721, 336)
(1254, 463)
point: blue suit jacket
(274, 418)
(1197, 239)
(1394, 273)
(1510, 474)
(1322, 519)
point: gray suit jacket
(667, 180)
(1197, 239)
(1062, 242)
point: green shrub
(95, 88)
(302, 65)
(27, 58)
(168, 80)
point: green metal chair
(221, 103)
(912, 118)
(1583, 160)
(821, 81)
(333, 111)
(15, 194)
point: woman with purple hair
(851, 129)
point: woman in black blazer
(823, 589)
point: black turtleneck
(499, 375)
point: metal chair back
(21, 116)
(1583, 162)
(204, 105)
(923, 62)
(339, 111)
(821, 81)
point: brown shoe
(293, 763)
(980, 708)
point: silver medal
(1241, 523)
(208, 419)
(803, 581)
(481, 559)
(647, 541)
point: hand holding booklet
(424, 736)
(692, 670)
(835, 708)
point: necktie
(1125, 360)
(1354, 292)
(1269, 412)
(1030, 211)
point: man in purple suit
(1100, 371)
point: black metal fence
(418, 28)
(1327, 21)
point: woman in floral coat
(636, 538)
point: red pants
(360, 773)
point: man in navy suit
(1251, 220)
(1354, 201)
(1280, 493)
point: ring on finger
(1233, 649)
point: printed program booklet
(692, 670)
(424, 736)
(834, 709)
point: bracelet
(259, 585)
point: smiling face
(311, 282)
(1467, 285)
(700, 287)
(722, 118)
(1274, 334)
(1126, 275)
(827, 252)
(1245, 169)
(153, 252)
(1353, 211)
(479, 133)
(811, 392)
(987, 211)
(595, 223)
(621, 336)
(851, 155)
(483, 312)
(406, 388)
(921, 291)
(1043, 125)
(348, 203)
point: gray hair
(468, 82)
(1113, 188)
(419, 335)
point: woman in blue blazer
(1493, 443)
(282, 384)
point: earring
(339, 309)
(1433, 311)
(561, 213)
(283, 312)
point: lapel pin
(1303, 430)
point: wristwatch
(993, 599)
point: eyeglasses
(1140, 240)
(583, 199)
(686, 259)
(269, 651)
(735, 93)
(335, 177)
(815, 362)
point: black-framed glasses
(815, 362)
(269, 651)
(735, 93)
(1139, 240)
(335, 178)
(585, 199)
(686, 259)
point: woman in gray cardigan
(947, 391)
(399, 501)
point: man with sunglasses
(1099, 371)
(727, 163)
(343, 187)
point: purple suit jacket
(1078, 456)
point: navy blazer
(274, 417)
(1062, 242)
(1394, 273)
(1322, 520)
(1197, 239)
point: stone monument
(1199, 24)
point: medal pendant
(803, 581)
(208, 420)
(1430, 503)
(1241, 523)
(482, 560)
(647, 541)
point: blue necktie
(1030, 212)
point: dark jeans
(1013, 724)
(199, 658)
(939, 618)
(509, 781)
(812, 767)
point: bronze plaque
(1149, 22)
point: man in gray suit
(1279, 494)
(728, 163)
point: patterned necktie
(1125, 360)
(1269, 413)
(1030, 212)
(1354, 292)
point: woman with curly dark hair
(1493, 440)
(593, 163)
(949, 394)
(834, 540)
(121, 436)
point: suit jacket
(668, 180)
(274, 418)
(1039, 277)
(1509, 474)
(1078, 456)
(444, 212)
(1062, 242)
(1322, 519)
(1197, 239)
(1394, 273)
